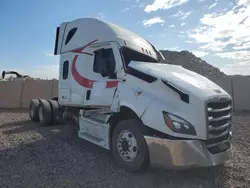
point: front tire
(129, 147)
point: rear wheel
(33, 110)
(129, 147)
(55, 109)
(45, 113)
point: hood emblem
(222, 99)
(217, 90)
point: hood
(180, 77)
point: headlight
(178, 125)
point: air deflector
(184, 96)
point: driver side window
(104, 60)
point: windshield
(132, 55)
(160, 57)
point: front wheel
(129, 147)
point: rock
(189, 61)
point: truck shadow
(55, 157)
(13, 110)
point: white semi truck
(124, 99)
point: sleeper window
(70, 35)
(65, 70)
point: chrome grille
(219, 119)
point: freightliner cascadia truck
(114, 85)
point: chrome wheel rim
(127, 146)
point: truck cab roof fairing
(89, 29)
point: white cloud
(155, 20)
(183, 24)
(49, 54)
(181, 36)
(213, 5)
(48, 70)
(100, 15)
(242, 68)
(242, 46)
(236, 55)
(189, 41)
(125, 9)
(240, 62)
(141, 5)
(172, 48)
(216, 46)
(200, 53)
(163, 4)
(244, 2)
(171, 26)
(218, 30)
(181, 15)
(45, 71)
(50, 57)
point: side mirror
(109, 68)
(99, 51)
(3, 74)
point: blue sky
(216, 30)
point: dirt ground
(33, 156)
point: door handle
(88, 94)
(121, 80)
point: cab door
(64, 92)
(105, 78)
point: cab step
(94, 130)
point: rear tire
(129, 147)
(55, 109)
(45, 113)
(33, 110)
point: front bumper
(166, 153)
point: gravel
(189, 61)
(33, 156)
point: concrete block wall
(55, 88)
(36, 89)
(224, 83)
(10, 94)
(17, 94)
(239, 88)
(241, 92)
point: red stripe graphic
(79, 78)
(80, 50)
(111, 84)
(85, 82)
